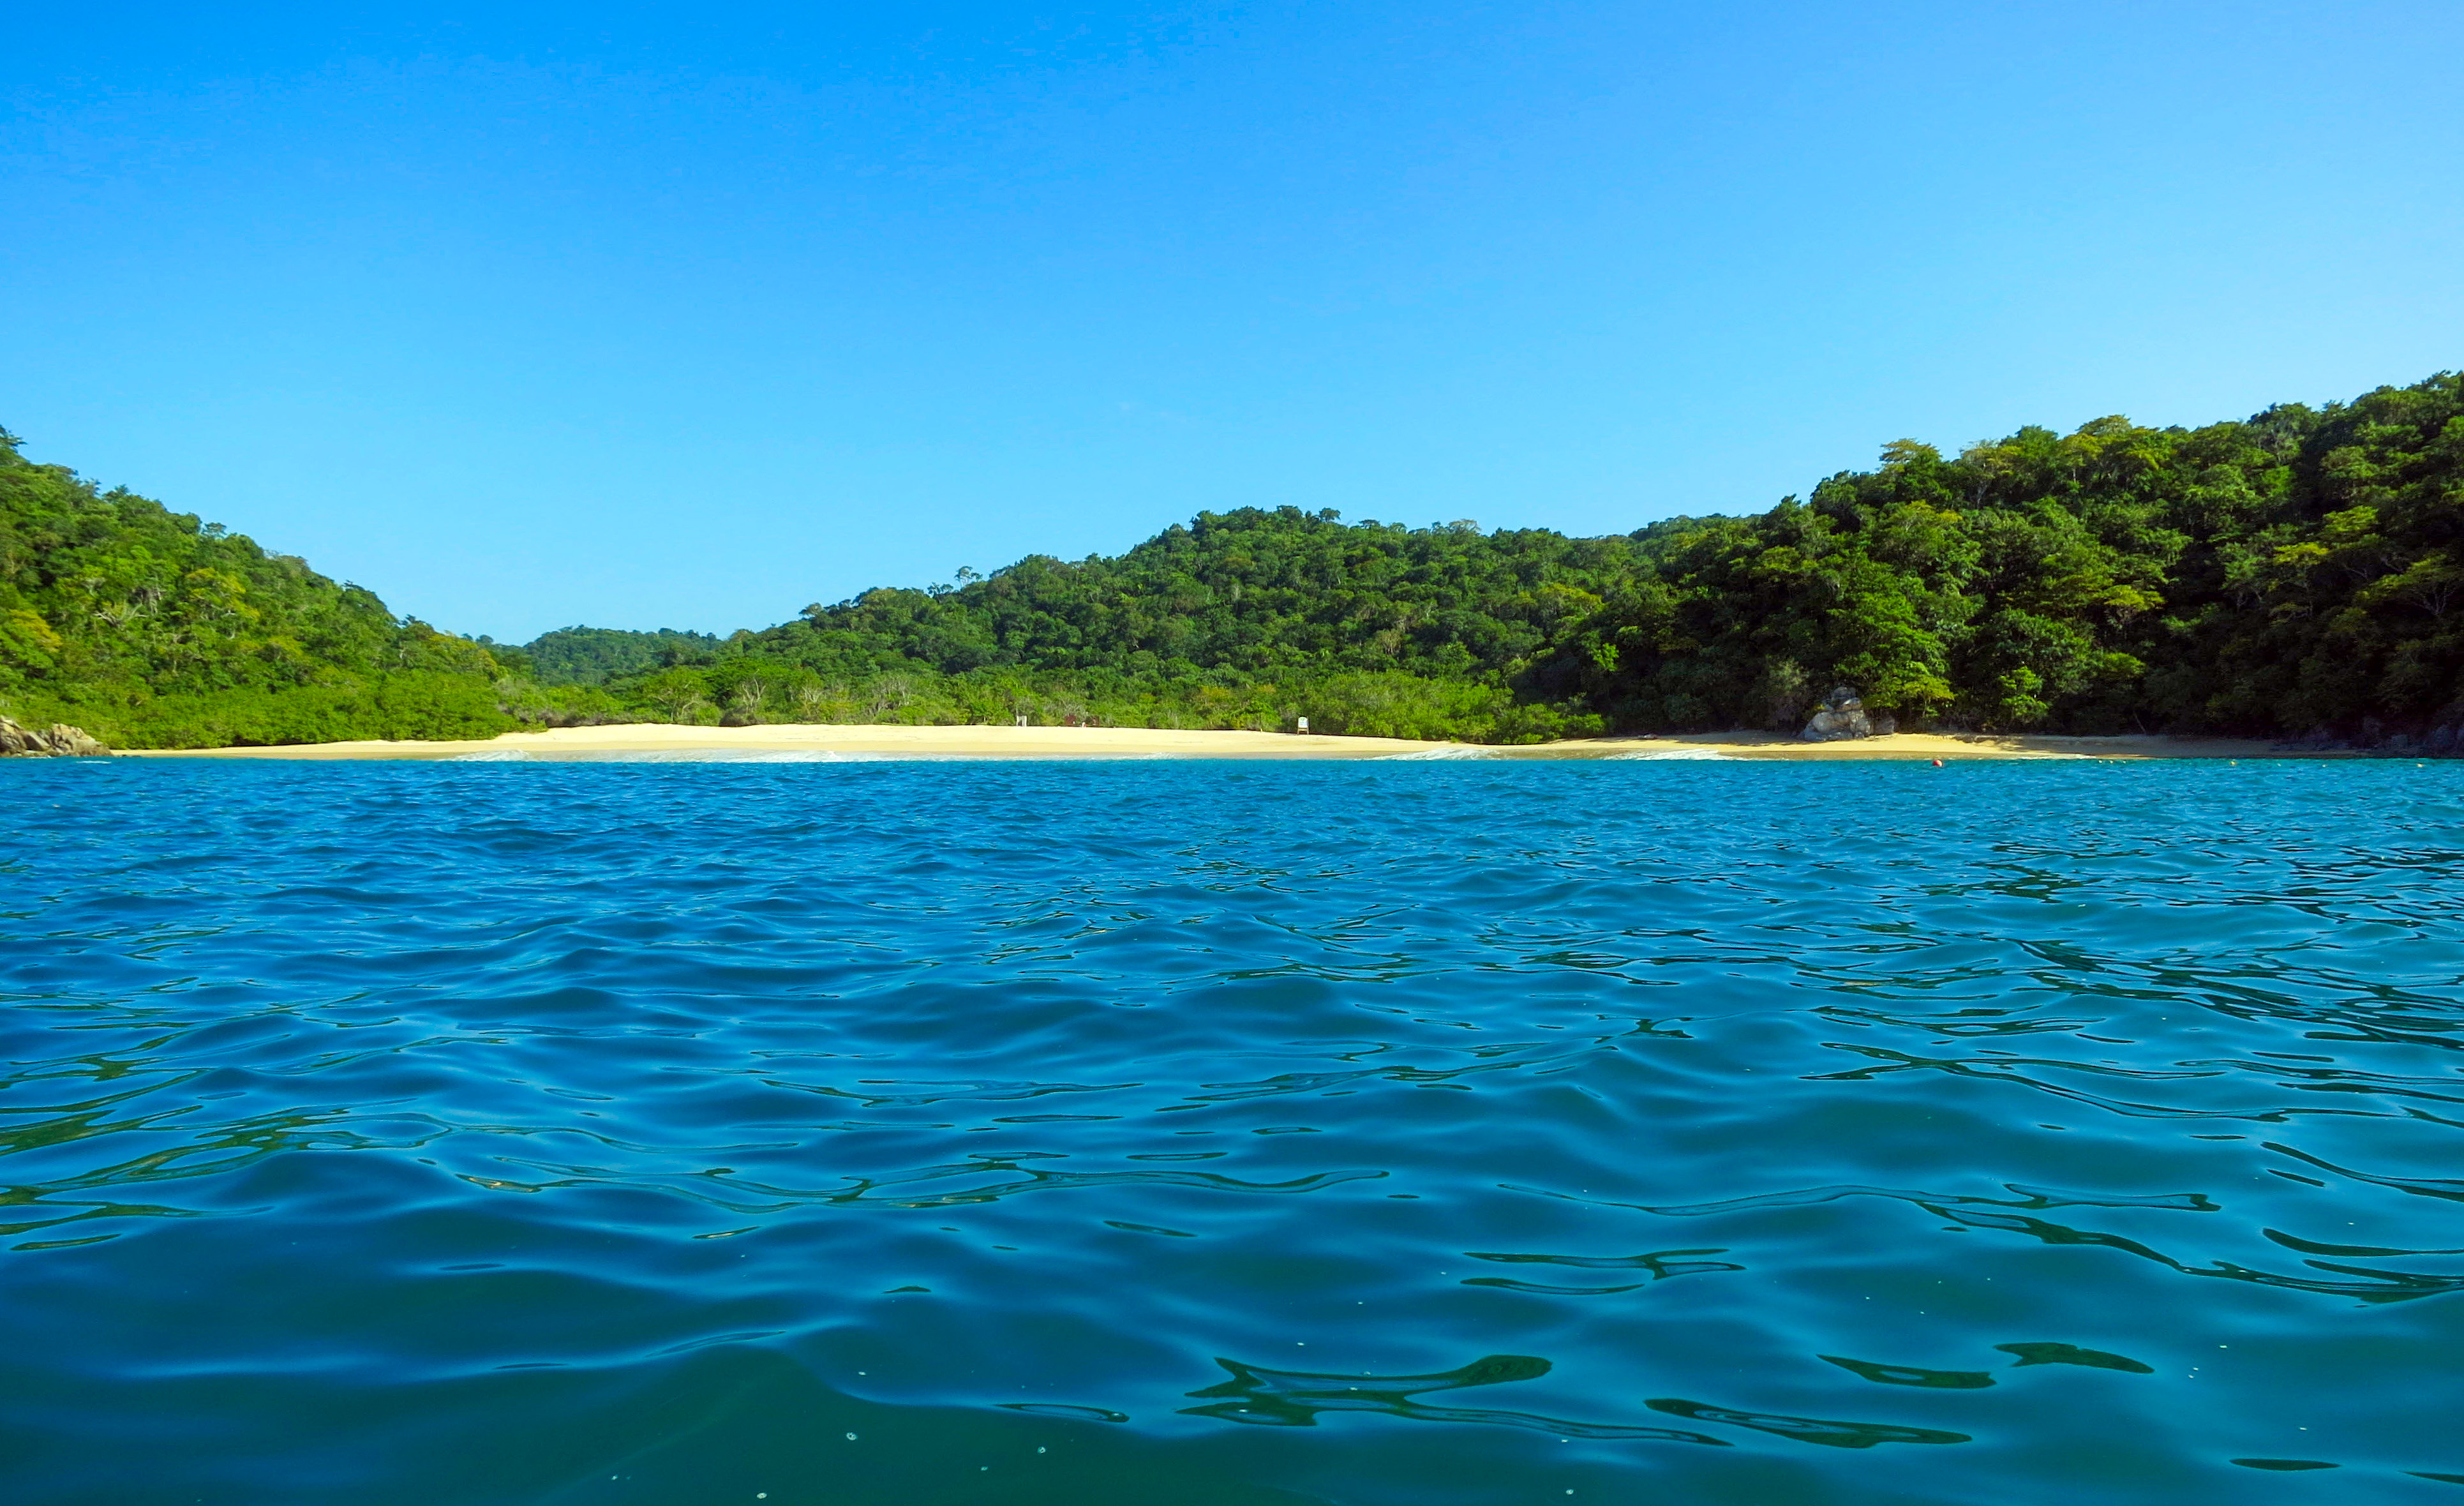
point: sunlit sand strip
(836, 744)
(1765, 747)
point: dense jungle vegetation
(593, 655)
(2287, 575)
(151, 629)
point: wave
(396, 1130)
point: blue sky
(649, 316)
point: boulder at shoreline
(60, 742)
(1842, 717)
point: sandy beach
(1770, 746)
(828, 743)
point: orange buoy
(1937, 763)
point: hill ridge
(2298, 571)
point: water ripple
(887, 1132)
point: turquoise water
(1221, 1133)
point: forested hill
(2277, 576)
(596, 655)
(2288, 573)
(151, 629)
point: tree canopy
(2290, 572)
(2286, 572)
(150, 628)
(590, 655)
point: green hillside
(2283, 575)
(151, 629)
(2278, 576)
(2288, 573)
(593, 655)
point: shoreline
(810, 742)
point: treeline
(2289, 573)
(151, 629)
(1248, 618)
(593, 655)
(2286, 575)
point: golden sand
(829, 743)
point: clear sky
(686, 315)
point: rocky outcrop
(60, 742)
(1842, 717)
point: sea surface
(1415, 1132)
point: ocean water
(1419, 1132)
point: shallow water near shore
(1418, 1132)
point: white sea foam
(492, 755)
(1449, 753)
(1691, 754)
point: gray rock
(1832, 727)
(1842, 717)
(60, 742)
